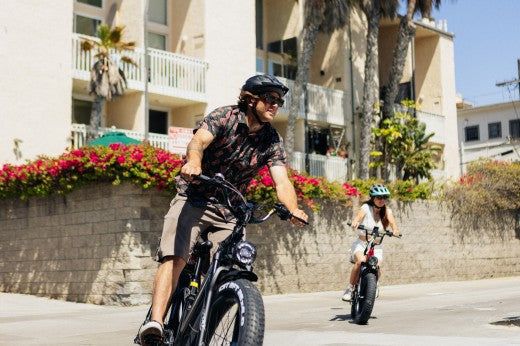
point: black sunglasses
(381, 197)
(272, 99)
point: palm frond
(103, 33)
(128, 60)
(116, 34)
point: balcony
(325, 105)
(171, 74)
(332, 168)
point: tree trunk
(95, 118)
(372, 12)
(404, 36)
(306, 47)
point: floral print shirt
(235, 152)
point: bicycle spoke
(224, 332)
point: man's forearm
(194, 152)
(287, 196)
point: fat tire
(249, 319)
(368, 291)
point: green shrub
(488, 186)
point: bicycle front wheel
(236, 316)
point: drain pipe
(353, 122)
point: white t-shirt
(369, 220)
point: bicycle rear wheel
(236, 315)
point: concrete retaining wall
(95, 245)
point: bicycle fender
(238, 274)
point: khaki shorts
(184, 223)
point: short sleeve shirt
(234, 152)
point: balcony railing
(325, 105)
(79, 136)
(332, 168)
(170, 74)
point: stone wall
(95, 245)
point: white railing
(79, 136)
(176, 74)
(332, 168)
(170, 74)
(325, 105)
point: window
(96, 3)
(156, 41)
(472, 133)
(158, 122)
(283, 58)
(157, 11)
(81, 111)
(259, 65)
(494, 130)
(514, 128)
(259, 24)
(85, 25)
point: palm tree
(374, 10)
(404, 36)
(107, 80)
(319, 16)
(406, 32)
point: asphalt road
(447, 313)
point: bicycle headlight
(372, 261)
(245, 253)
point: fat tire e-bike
(365, 289)
(216, 303)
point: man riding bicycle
(236, 141)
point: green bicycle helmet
(379, 190)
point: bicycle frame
(191, 326)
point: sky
(487, 47)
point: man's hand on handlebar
(298, 213)
(189, 170)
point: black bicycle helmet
(263, 83)
(379, 190)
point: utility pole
(514, 81)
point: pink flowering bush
(308, 189)
(143, 165)
(147, 167)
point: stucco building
(491, 131)
(199, 54)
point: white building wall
(35, 56)
(501, 148)
(229, 41)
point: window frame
(499, 123)
(82, 14)
(166, 12)
(93, 6)
(467, 128)
(511, 122)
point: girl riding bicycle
(373, 212)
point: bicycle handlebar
(371, 231)
(278, 208)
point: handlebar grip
(301, 220)
(202, 177)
